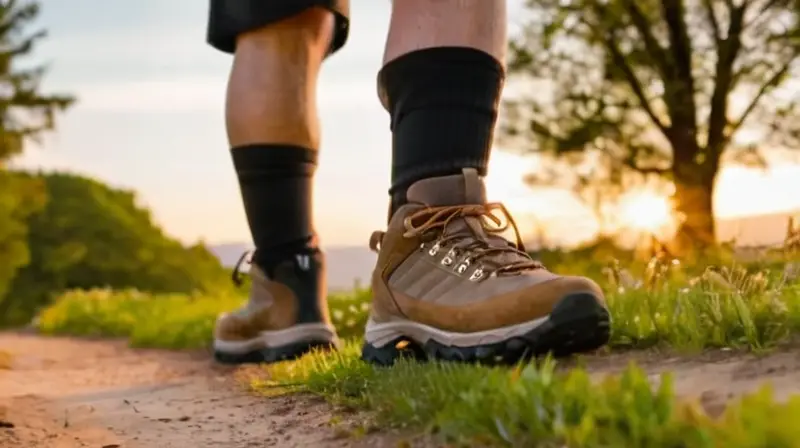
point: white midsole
(266, 339)
(381, 334)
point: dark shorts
(229, 18)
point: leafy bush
(90, 235)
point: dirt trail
(65, 393)
(714, 377)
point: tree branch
(724, 77)
(680, 43)
(632, 160)
(646, 170)
(765, 88)
(771, 4)
(715, 26)
(644, 27)
(630, 76)
(635, 85)
(682, 87)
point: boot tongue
(461, 189)
(467, 188)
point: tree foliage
(25, 113)
(660, 90)
(90, 235)
(19, 199)
(63, 231)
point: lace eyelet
(462, 267)
(477, 274)
(434, 250)
(449, 258)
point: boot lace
(496, 254)
(236, 275)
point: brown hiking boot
(285, 317)
(447, 286)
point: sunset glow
(646, 211)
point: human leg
(445, 280)
(441, 84)
(273, 131)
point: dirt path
(65, 393)
(714, 377)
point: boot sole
(276, 346)
(273, 354)
(577, 324)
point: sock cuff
(441, 78)
(267, 259)
(429, 60)
(275, 160)
(440, 56)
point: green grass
(660, 304)
(730, 307)
(534, 405)
(175, 321)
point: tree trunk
(693, 201)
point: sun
(646, 211)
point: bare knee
(309, 30)
(419, 24)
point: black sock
(443, 104)
(276, 184)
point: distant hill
(345, 264)
(758, 230)
(229, 253)
(351, 263)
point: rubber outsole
(577, 324)
(273, 354)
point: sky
(150, 118)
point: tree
(643, 89)
(92, 236)
(19, 199)
(25, 113)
